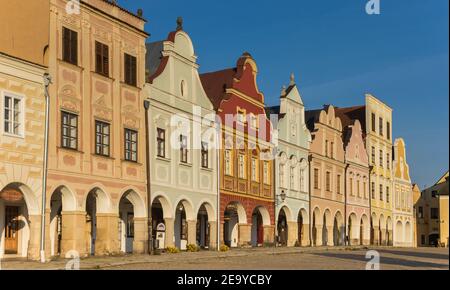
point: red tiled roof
(216, 83)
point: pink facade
(357, 184)
(327, 167)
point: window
(131, 139)
(388, 130)
(434, 194)
(381, 126)
(183, 149)
(388, 160)
(381, 192)
(316, 178)
(328, 181)
(161, 143)
(292, 177)
(266, 172)
(70, 46)
(241, 116)
(101, 58)
(253, 121)
(358, 189)
(381, 158)
(241, 163)
(365, 190)
(373, 122)
(373, 155)
(13, 115)
(326, 148)
(351, 186)
(282, 180)
(69, 129)
(205, 161)
(388, 193)
(102, 137)
(420, 213)
(373, 190)
(255, 168)
(338, 184)
(332, 150)
(434, 213)
(302, 179)
(130, 70)
(228, 168)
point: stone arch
(23, 202)
(365, 230)
(399, 235)
(30, 198)
(288, 213)
(61, 200)
(132, 195)
(166, 205)
(68, 198)
(389, 231)
(353, 229)
(188, 207)
(338, 229)
(212, 216)
(316, 227)
(103, 199)
(265, 215)
(408, 234)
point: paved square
(261, 259)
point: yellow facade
(379, 147)
(431, 207)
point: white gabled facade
(183, 182)
(292, 169)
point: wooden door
(12, 229)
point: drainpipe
(217, 150)
(310, 205)
(150, 246)
(47, 82)
(346, 232)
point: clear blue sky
(337, 52)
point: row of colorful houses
(141, 147)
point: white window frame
(22, 99)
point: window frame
(160, 143)
(72, 49)
(205, 155)
(101, 51)
(102, 134)
(130, 70)
(131, 142)
(69, 137)
(184, 152)
(21, 122)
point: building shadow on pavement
(386, 261)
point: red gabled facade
(246, 166)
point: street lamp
(283, 195)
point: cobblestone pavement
(259, 259)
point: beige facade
(327, 173)
(96, 201)
(22, 118)
(403, 214)
(431, 207)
